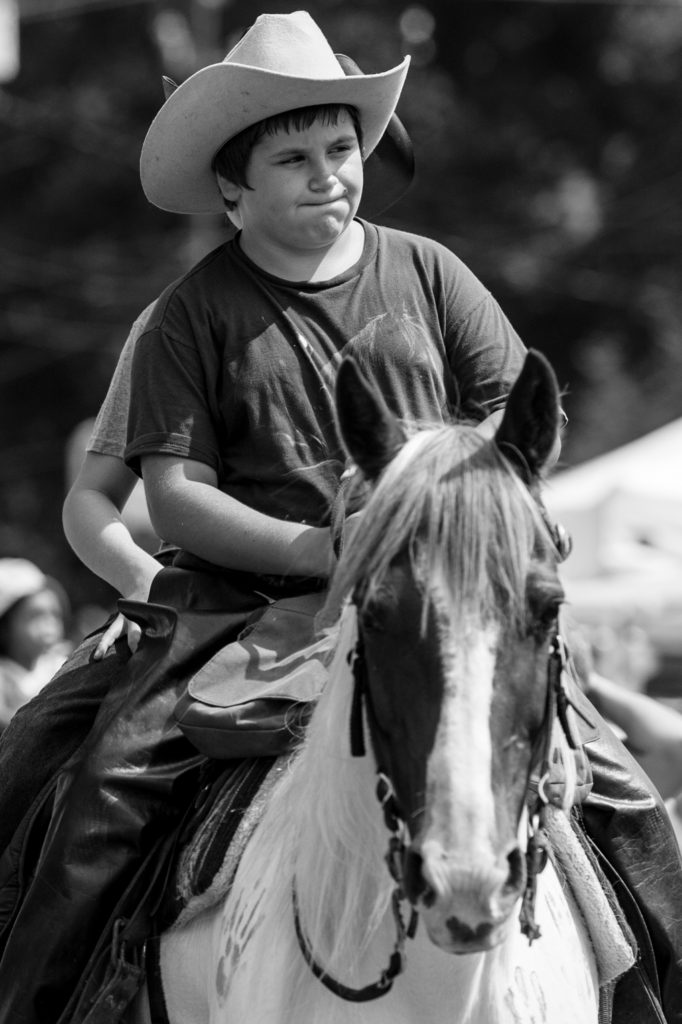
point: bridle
(394, 860)
(557, 706)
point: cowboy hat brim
(389, 168)
(221, 100)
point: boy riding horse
(232, 428)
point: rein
(394, 859)
(396, 963)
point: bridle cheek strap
(557, 708)
(394, 860)
(356, 660)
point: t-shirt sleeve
(109, 433)
(171, 409)
(484, 352)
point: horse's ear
(370, 431)
(529, 430)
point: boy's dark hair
(232, 159)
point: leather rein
(557, 705)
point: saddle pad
(611, 938)
(208, 861)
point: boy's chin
(328, 229)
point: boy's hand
(121, 624)
(114, 631)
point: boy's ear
(228, 189)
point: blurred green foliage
(549, 158)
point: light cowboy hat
(260, 77)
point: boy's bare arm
(92, 522)
(189, 510)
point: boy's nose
(322, 175)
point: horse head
(454, 578)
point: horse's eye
(550, 613)
(373, 620)
(543, 616)
(563, 541)
(374, 614)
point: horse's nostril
(428, 896)
(517, 870)
(416, 886)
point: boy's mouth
(328, 202)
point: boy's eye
(343, 147)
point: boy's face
(305, 188)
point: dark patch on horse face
(521, 678)
(518, 708)
(406, 678)
(405, 681)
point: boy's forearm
(216, 527)
(96, 532)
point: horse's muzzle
(465, 907)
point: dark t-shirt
(237, 367)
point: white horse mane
(326, 826)
(449, 490)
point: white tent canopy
(649, 466)
(624, 512)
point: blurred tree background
(549, 158)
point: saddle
(254, 697)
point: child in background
(33, 644)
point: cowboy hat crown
(283, 62)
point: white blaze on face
(459, 828)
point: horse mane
(447, 492)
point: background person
(34, 611)
(651, 731)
